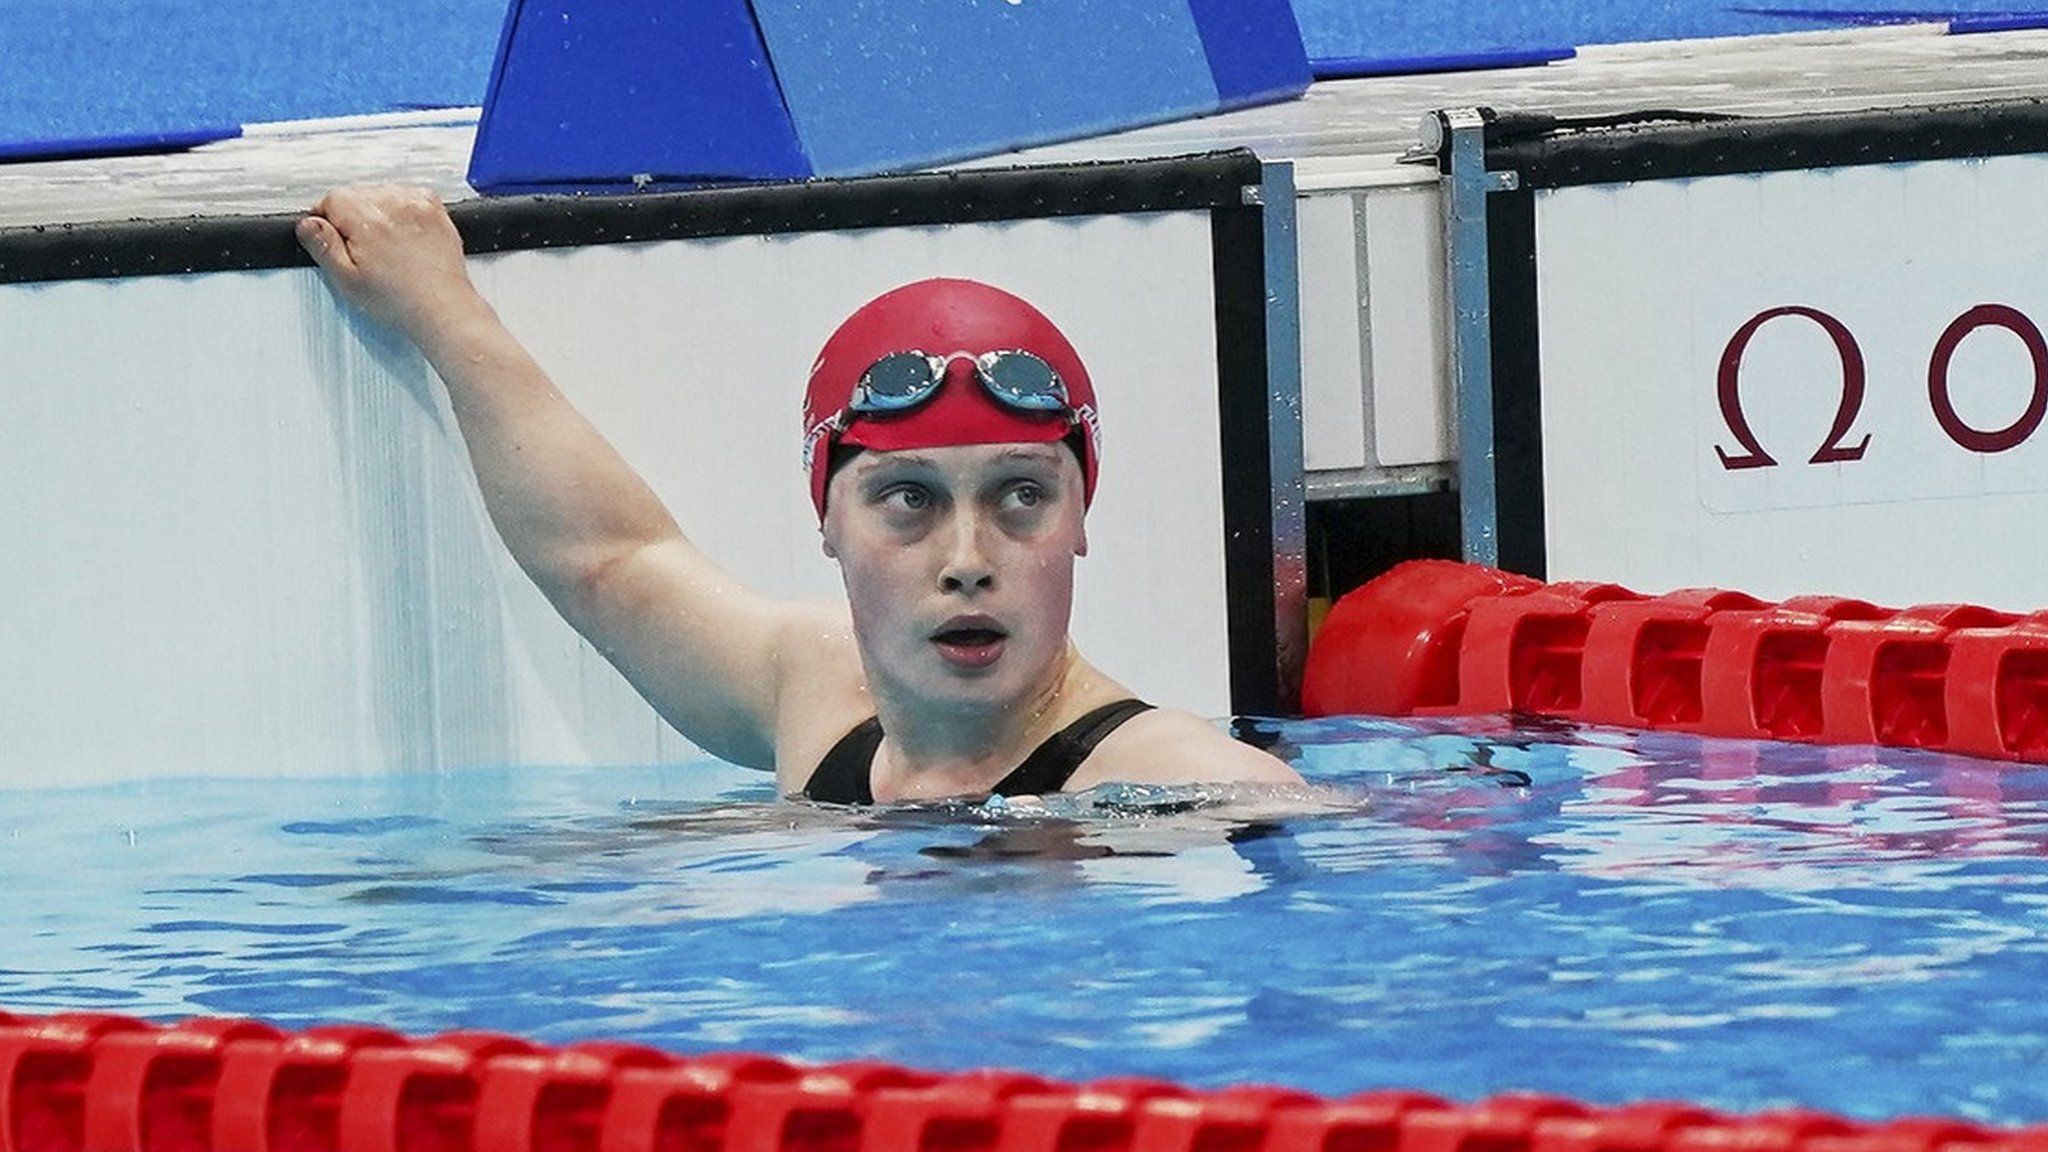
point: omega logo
(1835, 446)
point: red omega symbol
(1832, 449)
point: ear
(825, 544)
(1081, 539)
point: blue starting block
(611, 95)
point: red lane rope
(1434, 637)
(104, 1083)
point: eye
(1025, 494)
(905, 497)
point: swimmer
(951, 441)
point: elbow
(582, 585)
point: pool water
(1460, 907)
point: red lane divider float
(1435, 637)
(100, 1083)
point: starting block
(617, 95)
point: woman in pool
(950, 434)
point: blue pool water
(1463, 908)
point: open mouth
(968, 637)
(970, 642)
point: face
(959, 567)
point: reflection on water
(1463, 907)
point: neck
(932, 749)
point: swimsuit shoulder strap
(1054, 762)
(842, 776)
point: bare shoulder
(823, 689)
(815, 635)
(1170, 746)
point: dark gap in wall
(1351, 541)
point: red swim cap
(941, 317)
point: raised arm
(582, 524)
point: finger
(323, 242)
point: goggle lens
(897, 381)
(1022, 380)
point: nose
(967, 567)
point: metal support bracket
(1458, 138)
(1276, 195)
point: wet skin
(959, 570)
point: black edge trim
(1237, 250)
(1517, 382)
(1563, 153)
(242, 243)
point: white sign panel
(1813, 381)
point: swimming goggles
(904, 380)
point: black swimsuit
(842, 777)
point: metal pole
(1283, 405)
(1458, 137)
